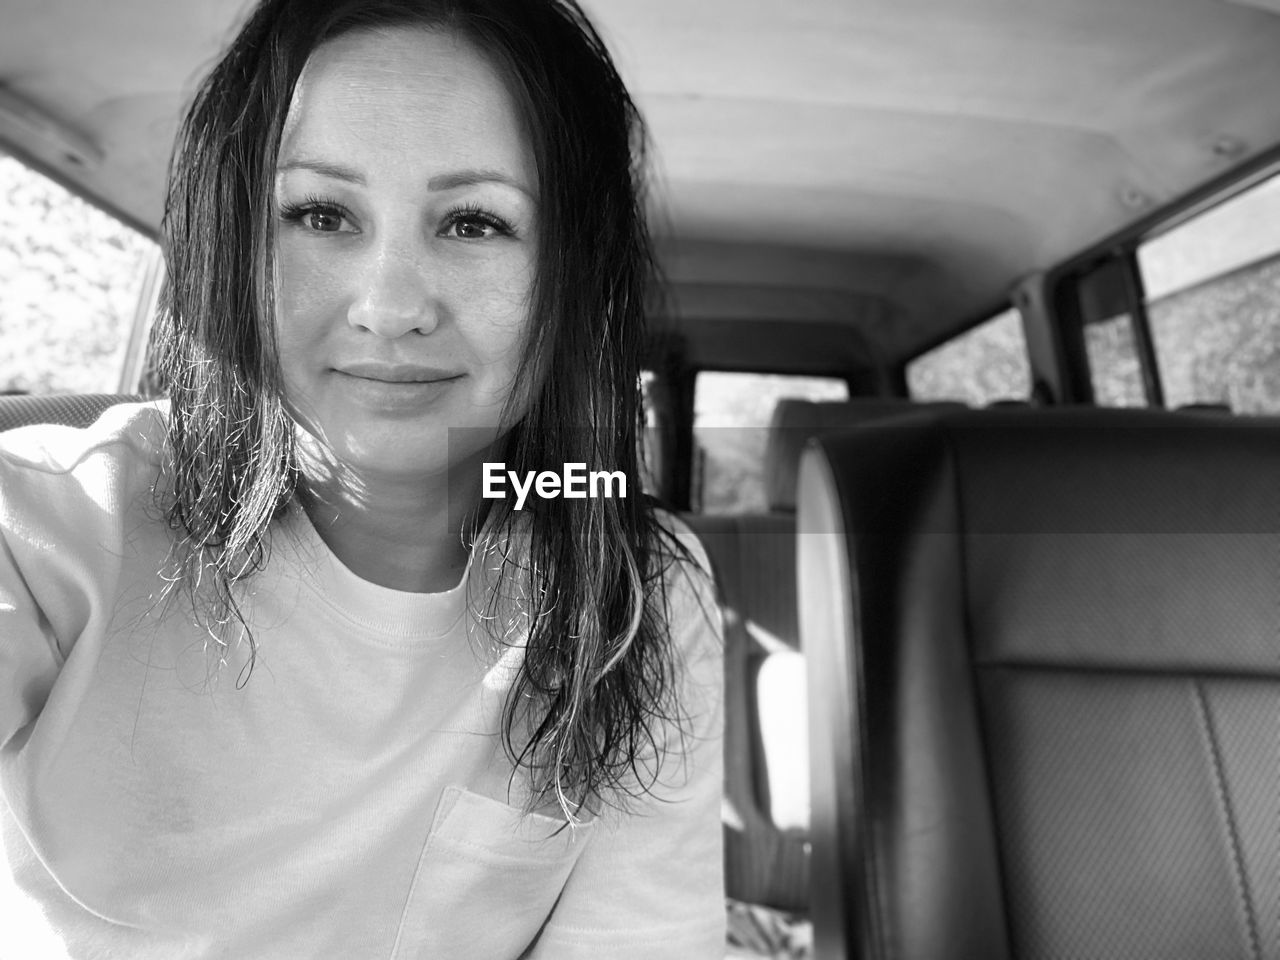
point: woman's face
(405, 250)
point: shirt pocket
(487, 879)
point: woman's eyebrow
(443, 181)
(469, 178)
(334, 170)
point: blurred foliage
(1114, 368)
(1219, 342)
(983, 365)
(70, 276)
(1216, 342)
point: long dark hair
(590, 715)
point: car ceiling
(890, 165)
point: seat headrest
(70, 409)
(1092, 538)
(796, 421)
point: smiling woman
(405, 262)
(289, 685)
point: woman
(364, 711)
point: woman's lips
(398, 372)
(396, 388)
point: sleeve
(29, 655)
(651, 881)
(61, 491)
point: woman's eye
(476, 226)
(316, 217)
(471, 229)
(323, 221)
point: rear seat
(72, 409)
(766, 758)
(1043, 644)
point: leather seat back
(1044, 668)
(754, 556)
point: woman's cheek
(308, 288)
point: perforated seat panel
(72, 409)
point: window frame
(1073, 315)
(1062, 313)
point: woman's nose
(394, 296)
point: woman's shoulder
(677, 539)
(126, 429)
(76, 507)
(46, 466)
(689, 585)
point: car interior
(965, 370)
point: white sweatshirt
(349, 798)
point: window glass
(650, 439)
(70, 281)
(1213, 300)
(1104, 296)
(982, 365)
(1114, 366)
(730, 426)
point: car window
(1114, 366)
(71, 280)
(730, 425)
(1100, 304)
(1212, 289)
(1111, 338)
(651, 438)
(984, 364)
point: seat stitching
(1220, 787)
(954, 461)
